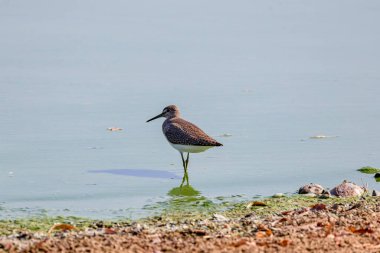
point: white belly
(190, 148)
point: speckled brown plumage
(184, 136)
(180, 131)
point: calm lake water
(261, 77)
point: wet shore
(284, 224)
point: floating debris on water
(225, 135)
(369, 170)
(95, 147)
(321, 136)
(114, 129)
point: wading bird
(184, 136)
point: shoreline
(287, 224)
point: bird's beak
(158, 116)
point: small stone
(156, 240)
(375, 193)
(137, 228)
(310, 195)
(220, 218)
(377, 175)
(325, 195)
(278, 195)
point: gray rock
(375, 193)
(312, 188)
(137, 228)
(347, 189)
(278, 195)
(220, 218)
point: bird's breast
(189, 148)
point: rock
(377, 175)
(375, 193)
(137, 228)
(347, 189)
(220, 218)
(278, 195)
(325, 195)
(312, 188)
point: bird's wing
(180, 131)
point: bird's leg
(184, 167)
(187, 163)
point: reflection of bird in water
(184, 136)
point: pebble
(310, 195)
(278, 195)
(137, 228)
(220, 218)
(375, 193)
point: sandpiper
(184, 136)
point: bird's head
(168, 112)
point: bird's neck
(174, 115)
(171, 118)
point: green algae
(182, 209)
(186, 190)
(241, 209)
(44, 223)
(40, 224)
(287, 203)
(184, 202)
(369, 170)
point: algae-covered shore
(290, 224)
